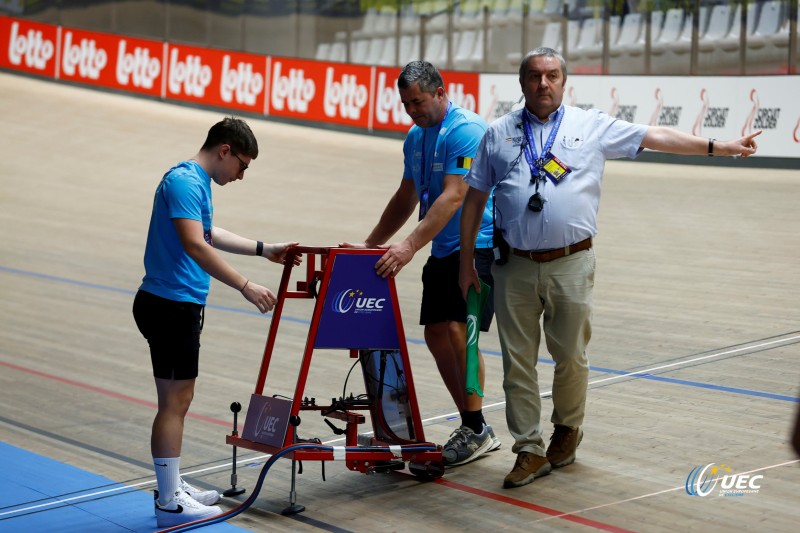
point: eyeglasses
(242, 165)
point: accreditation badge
(554, 169)
(423, 204)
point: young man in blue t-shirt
(181, 255)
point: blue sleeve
(462, 144)
(183, 197)
(408, 152)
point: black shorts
(172, 330)
(441, 295)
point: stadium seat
(469, 54)
(551, 38)
(589, 40)
(626, 56)
(368, 24)
(586, 56)
(338, 52)
(359, 51)
(409, 49)
(505, 35)
(388, 50)
(323, 51)
(674, 57)
(670, 32)
(722, 55)
(767, 47)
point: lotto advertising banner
(718, 107)
(111, 61)
(462, 88)
(319, 92)
(216, 78)
(29, 47)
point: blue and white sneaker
(495, 441)
(465, 445)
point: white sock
(168, 477)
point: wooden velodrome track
(694, 352)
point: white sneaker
(182, 509)
(206, 497)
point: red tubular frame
(366, 459)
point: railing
(660, 37)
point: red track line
(445, 482)
(532, 506)
(108, 392)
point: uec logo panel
(354, 299)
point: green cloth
(475, 304)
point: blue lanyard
(537, 162)
(426, 182)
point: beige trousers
(561, 292)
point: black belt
(557, 253)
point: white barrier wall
(718, 107)
(364, 97)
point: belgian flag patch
(464, 162)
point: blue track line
(653, 377)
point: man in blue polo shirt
(438, 152)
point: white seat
(673, 57)
(730, 42)
(323, 52)
(469, 53)
(375, 52)
(436, 49)
(359, 51)
(672, 29)
(770, 20)
(552, 35)
(683, 45)
(719, 26)
(552, 38)
(409, 49)
(367, 25)
(590, 34)
(387, 57)
(477, 60)
(386, 22)
(724, 56)
(627, 54)
(586, 56)
(629, 34)
(767, 47)
(338, 52)
(505, 33)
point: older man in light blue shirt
(545, 164)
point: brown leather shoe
(563, 445)
(528, 467)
